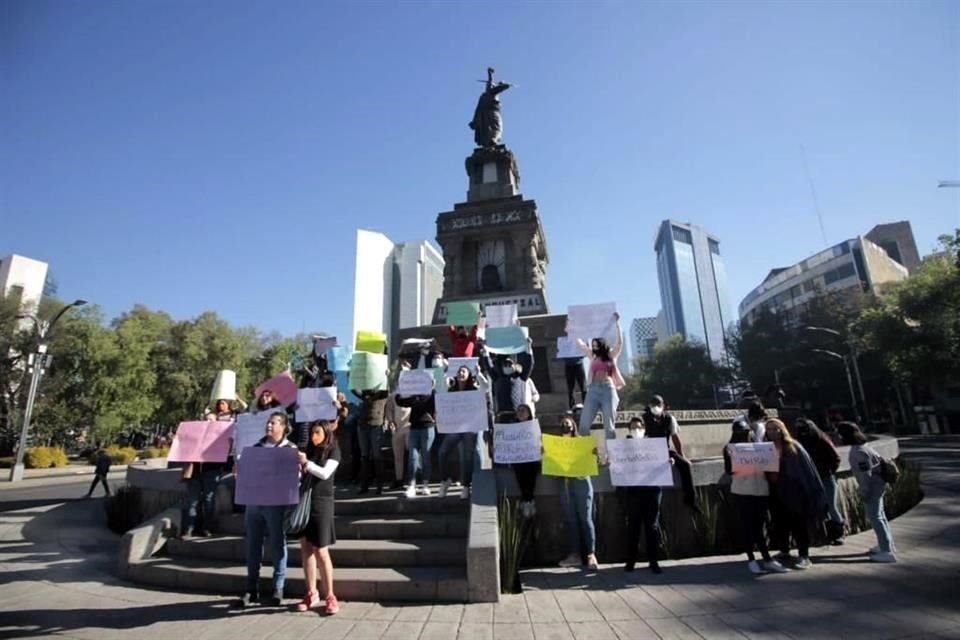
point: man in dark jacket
(100, 474)
(370, 437)
(659, 423)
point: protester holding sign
(750, 493)
(463, 342)
(577, 501)
(659, 423)
(370, 436)
(604, 381)
(503, 372)
(526, 472)
(641, 508)
(423, 427)
(465, 443)
(398, 422)
(320, 462)
(799, 493)
(202, 473)
(265, 524)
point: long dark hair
(320, 454)
(850, 433)
(469, 385)
(603, 349)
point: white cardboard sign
(517, 442)
(640, 462)
(461, 412)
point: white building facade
(23, 279)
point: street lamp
(846, 368)
(856, 367)
(37, 361)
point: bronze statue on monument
(487, 124)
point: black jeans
(99, 478)
(785, 523)
(753, 517)
(685, 469)
(575, 376)
(641, 506)
(527, 473)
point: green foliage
(154, 452)
(680, 371)
(515, 533)
(44, 458)
(906, 492)
(124, 509)
(118, 455)
(707, 522)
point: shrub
(905, 493)
(514, 539)
(706, 523)
(118, 455)
(124, 509)
(45, 458)
(154, 452)
(6, 462)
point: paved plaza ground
(56, 562)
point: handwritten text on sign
(268, 476)
(518, 442)
(461, 412)
(753, 458)
(415, 382)
(640, 462)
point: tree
(682, 372)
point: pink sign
(283, 387)
(201, 442)
(268, 476)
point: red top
(462, 347)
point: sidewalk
(56, 563)
(40, 477)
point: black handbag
(297, 516)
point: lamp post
(846, 368)
(37, 362)
(856, 366)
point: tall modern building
(24, 279)
(693, 285)
(395, 285)
(643, 338)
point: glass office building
(693, 285)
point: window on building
(861, 268)
(841, 272)
(714, 246)
(682, 235)
(809, 285)
(795, 291)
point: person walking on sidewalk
(100, 473)
(320, 461)
(867, 466)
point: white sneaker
(592, 564)
(411, 491)
(883, 556)
(774, 567)
(465, 493)
(572, 560)
(803, 563)
(443, 488)
(873, 550)
(424, 490)
(755, 567)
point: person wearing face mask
(463, 342)
(659, 423)
(465, 443)
(827, 461)
(641, 508)
(603, 383)
(506, 373)
(264, 524)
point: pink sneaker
(310, 601)
(332, 605)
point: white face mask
(508, 371)
(656, 410)
(635, 432)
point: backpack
(889, 471)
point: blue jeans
(197, 510)
(879, 521)
(265, 523)
(830, 488)
(577, 501)
(467, 445)
(418, 448)
(602, 397)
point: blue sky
(221, 155)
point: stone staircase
(389, 548)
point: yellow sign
(371, 342)
(569, 457)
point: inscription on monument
(486, 220)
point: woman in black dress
(320, 461)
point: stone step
(345, 553)
(409, 584)
(386, 527)
(349, 503)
